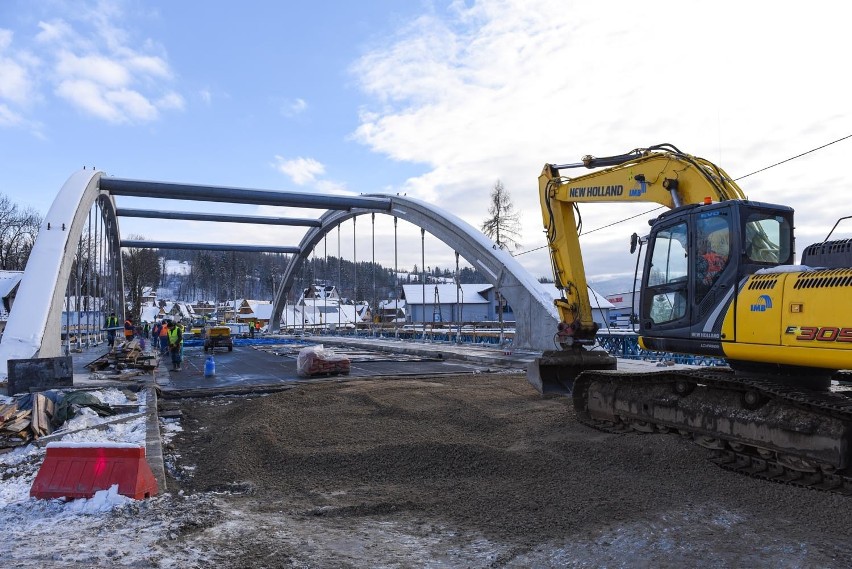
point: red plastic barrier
(78, 470)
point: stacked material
(21, 422)
(316, 360)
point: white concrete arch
(535, 314)
(33, 327)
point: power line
(735, 179)
(598, 228)
(797, 156)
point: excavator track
(761, 428)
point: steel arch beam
(223, 217)
(535, 314)
(32, 329)
(195, 192)
(138, 244)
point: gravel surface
(474, 471)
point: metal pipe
(396, 281)
(223, 217)
(355, 275)
(169, 190)
(142, 244)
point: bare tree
(503, 224)
(141, 269)
(18, 231)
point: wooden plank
(8, 411)
(41, 418)
(18, 425)
(35, 415)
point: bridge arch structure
(535, 314)
(33, 325)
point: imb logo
(762, 305)
(637, 192)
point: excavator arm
(660, 174)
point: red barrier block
(78, 470)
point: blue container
(209, 367)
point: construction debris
(125, 356)
(18, 424)
(32, 416)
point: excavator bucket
(553, 373)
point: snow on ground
(107, 530)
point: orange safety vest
(128, 328)
(715, 264)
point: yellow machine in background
(218, 337)
(719, 279)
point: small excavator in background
(719, 279)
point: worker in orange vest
(164, 338)
(128, 329)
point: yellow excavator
(719, 280)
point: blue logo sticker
(764, 303)
(636, 192)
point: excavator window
(669, 271)
(767, 238)
(713, 240)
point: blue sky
(434, 99)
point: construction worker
(111, 325)
(176, 345)
(164, 338)
(128, 329)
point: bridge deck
(264, 366)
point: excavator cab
(697, 257)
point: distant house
(179, 311)
(449, 303)
(625, 309)
(255, 310)
(204, 309)
(392, 310)
(229, 309)
(149, 296)
(320, 307)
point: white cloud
(294, 107)
(132, 104)
(54, 32)
(8, 117)
(150, 66)
(92, 62)
(17, 86)
(5, 39)
(94, 68)
(496, 89)
(113, 105)
(171, 100)
(301, 170)
(88, 96)
(15, 83)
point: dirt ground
(473, 471)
